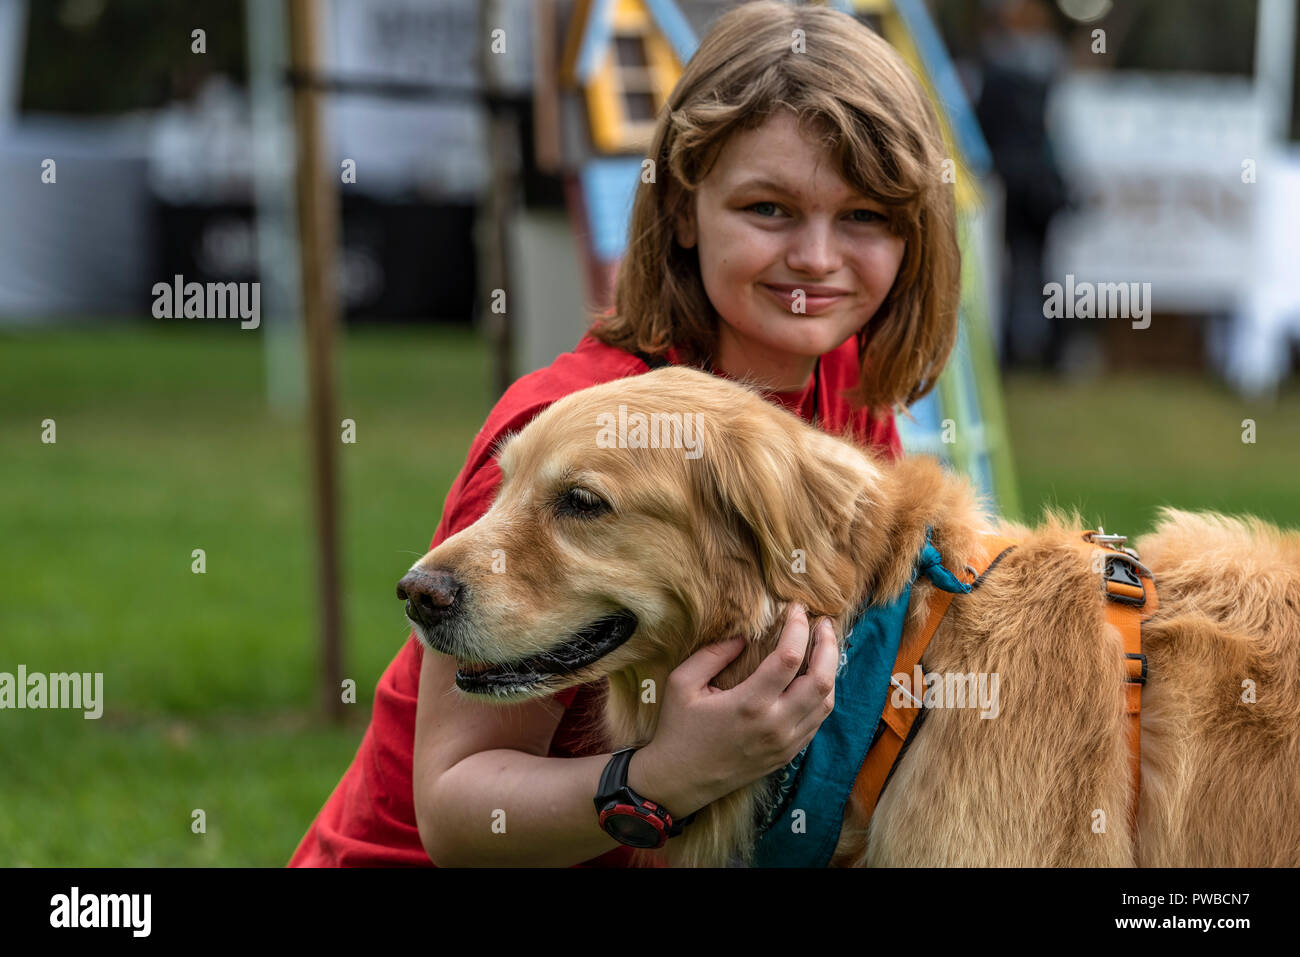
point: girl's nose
(814, 249)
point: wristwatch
(626, 816)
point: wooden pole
(318, 230)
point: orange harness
(1129, 602)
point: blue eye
(871, 216)
(860, 215)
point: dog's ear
(808, 503)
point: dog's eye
(582, 503)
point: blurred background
(432, 195)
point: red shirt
(369, 820)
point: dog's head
(637, 521)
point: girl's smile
(816, 299)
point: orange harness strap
(1131, 593)
(1131, 602)
(883, 755)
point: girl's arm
(473, 760)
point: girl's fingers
(807, 692)
(777, 670)
(705, 665)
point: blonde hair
(850, 86)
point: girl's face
(773, 216)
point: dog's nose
(430, 596)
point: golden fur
(700, 548)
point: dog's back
(1221, 711)
(1046, 782)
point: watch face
(629, 829)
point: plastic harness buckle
(1123, 583)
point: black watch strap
(614, 779)
(615, 774)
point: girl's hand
(710, 742)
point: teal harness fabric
(805, 822)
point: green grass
(1119, 448)
(122, 791)
(165, 444)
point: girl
(797, 234)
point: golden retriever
(641, 519)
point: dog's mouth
(580, 649)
